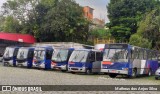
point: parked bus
(42, 57)
(9, 57)
(25, 57)
(85, 60)
(125, 59)
(60, 58)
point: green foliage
(11, 25)
(64, 21)
(100, 33)
(2, 20)
(138, 40)
(149, 27)
(48, 20)
(125, 16)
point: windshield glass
(79, 56)
(115, 55)
(22, 53)
(39, 54)
(60, 55)
(9, 52)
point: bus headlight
(126, 69)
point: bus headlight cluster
(125, 69)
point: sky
(99, 6)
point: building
(88, 12)
(14, 39)
(98, 23)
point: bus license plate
(113, 71)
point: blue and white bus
(125, 59)
(60, 58)
(42, 57)
(85, 60)
(25, 57)
(9, 56)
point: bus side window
(141, 54)
(145, 54)
(98, 56)
(149, 55)
(154, 55)
(134, 54)
(91, 57)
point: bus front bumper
(34, 65)
(114, 71)
(42, 65)
(76, 69)
(61, 67)
(21, 64)
(10, 62)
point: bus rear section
(125, 59)
(85, 61)
(42, 57)
(9, 57)
(60, 58)
(25, 57)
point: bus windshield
(22, 54)
(116, 55)
(39, 54)
(9, 52)
(60, 55)
(79, 56)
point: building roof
(26, 38)
(89, 7)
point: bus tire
(4, 64)
(134, 73)
(156, 78)
(88, 71)
(73, 72)
(150, 72)
(112, 75)
(63, 70)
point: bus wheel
(4, 64)
(112, 75)
(156, 78)
(134, 73)
(63, 70)
(73, 72)
(150, 73)
(88, 71)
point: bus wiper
(58, 55)
(75, 57)
(82, 58)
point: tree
(49, 20)
(22, 11)
(11, 25)
(149, 28)
(138, 40)
(125, 16)
(63, 21)
(100, 33)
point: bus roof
(125, 45)
(94, 50)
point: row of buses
(112, 59)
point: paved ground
(24, 76)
